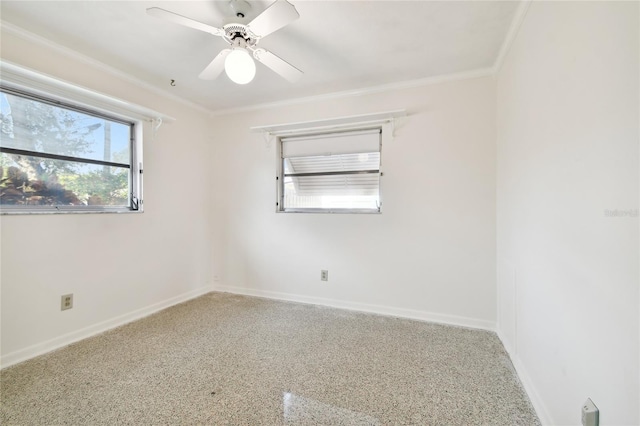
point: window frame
(280, 173)
(135, 200)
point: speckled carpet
(223, 359)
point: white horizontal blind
(333, 163)
(332, 144)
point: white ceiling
(339, 45)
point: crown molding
(514, 28)
(41, 41)
(409, 84)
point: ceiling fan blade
(182, 20)
(278, 65)
(276, 16)
(216, 66)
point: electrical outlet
(590, 414)
(324, 275)
(66, 302)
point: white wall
(117, 266)
(568, 134)
(429, 255)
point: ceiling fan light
(239, 66)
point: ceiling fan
(236, 60)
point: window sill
(62, 212)
(335, 211)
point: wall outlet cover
(590, 414)
(66, 302)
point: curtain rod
(331, 123)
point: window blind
(361, 141)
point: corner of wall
(525, 380)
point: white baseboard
(363, 307)
(527, 383)
(75, 336)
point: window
(57, 157)
(332, 172)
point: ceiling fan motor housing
(238, 34)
